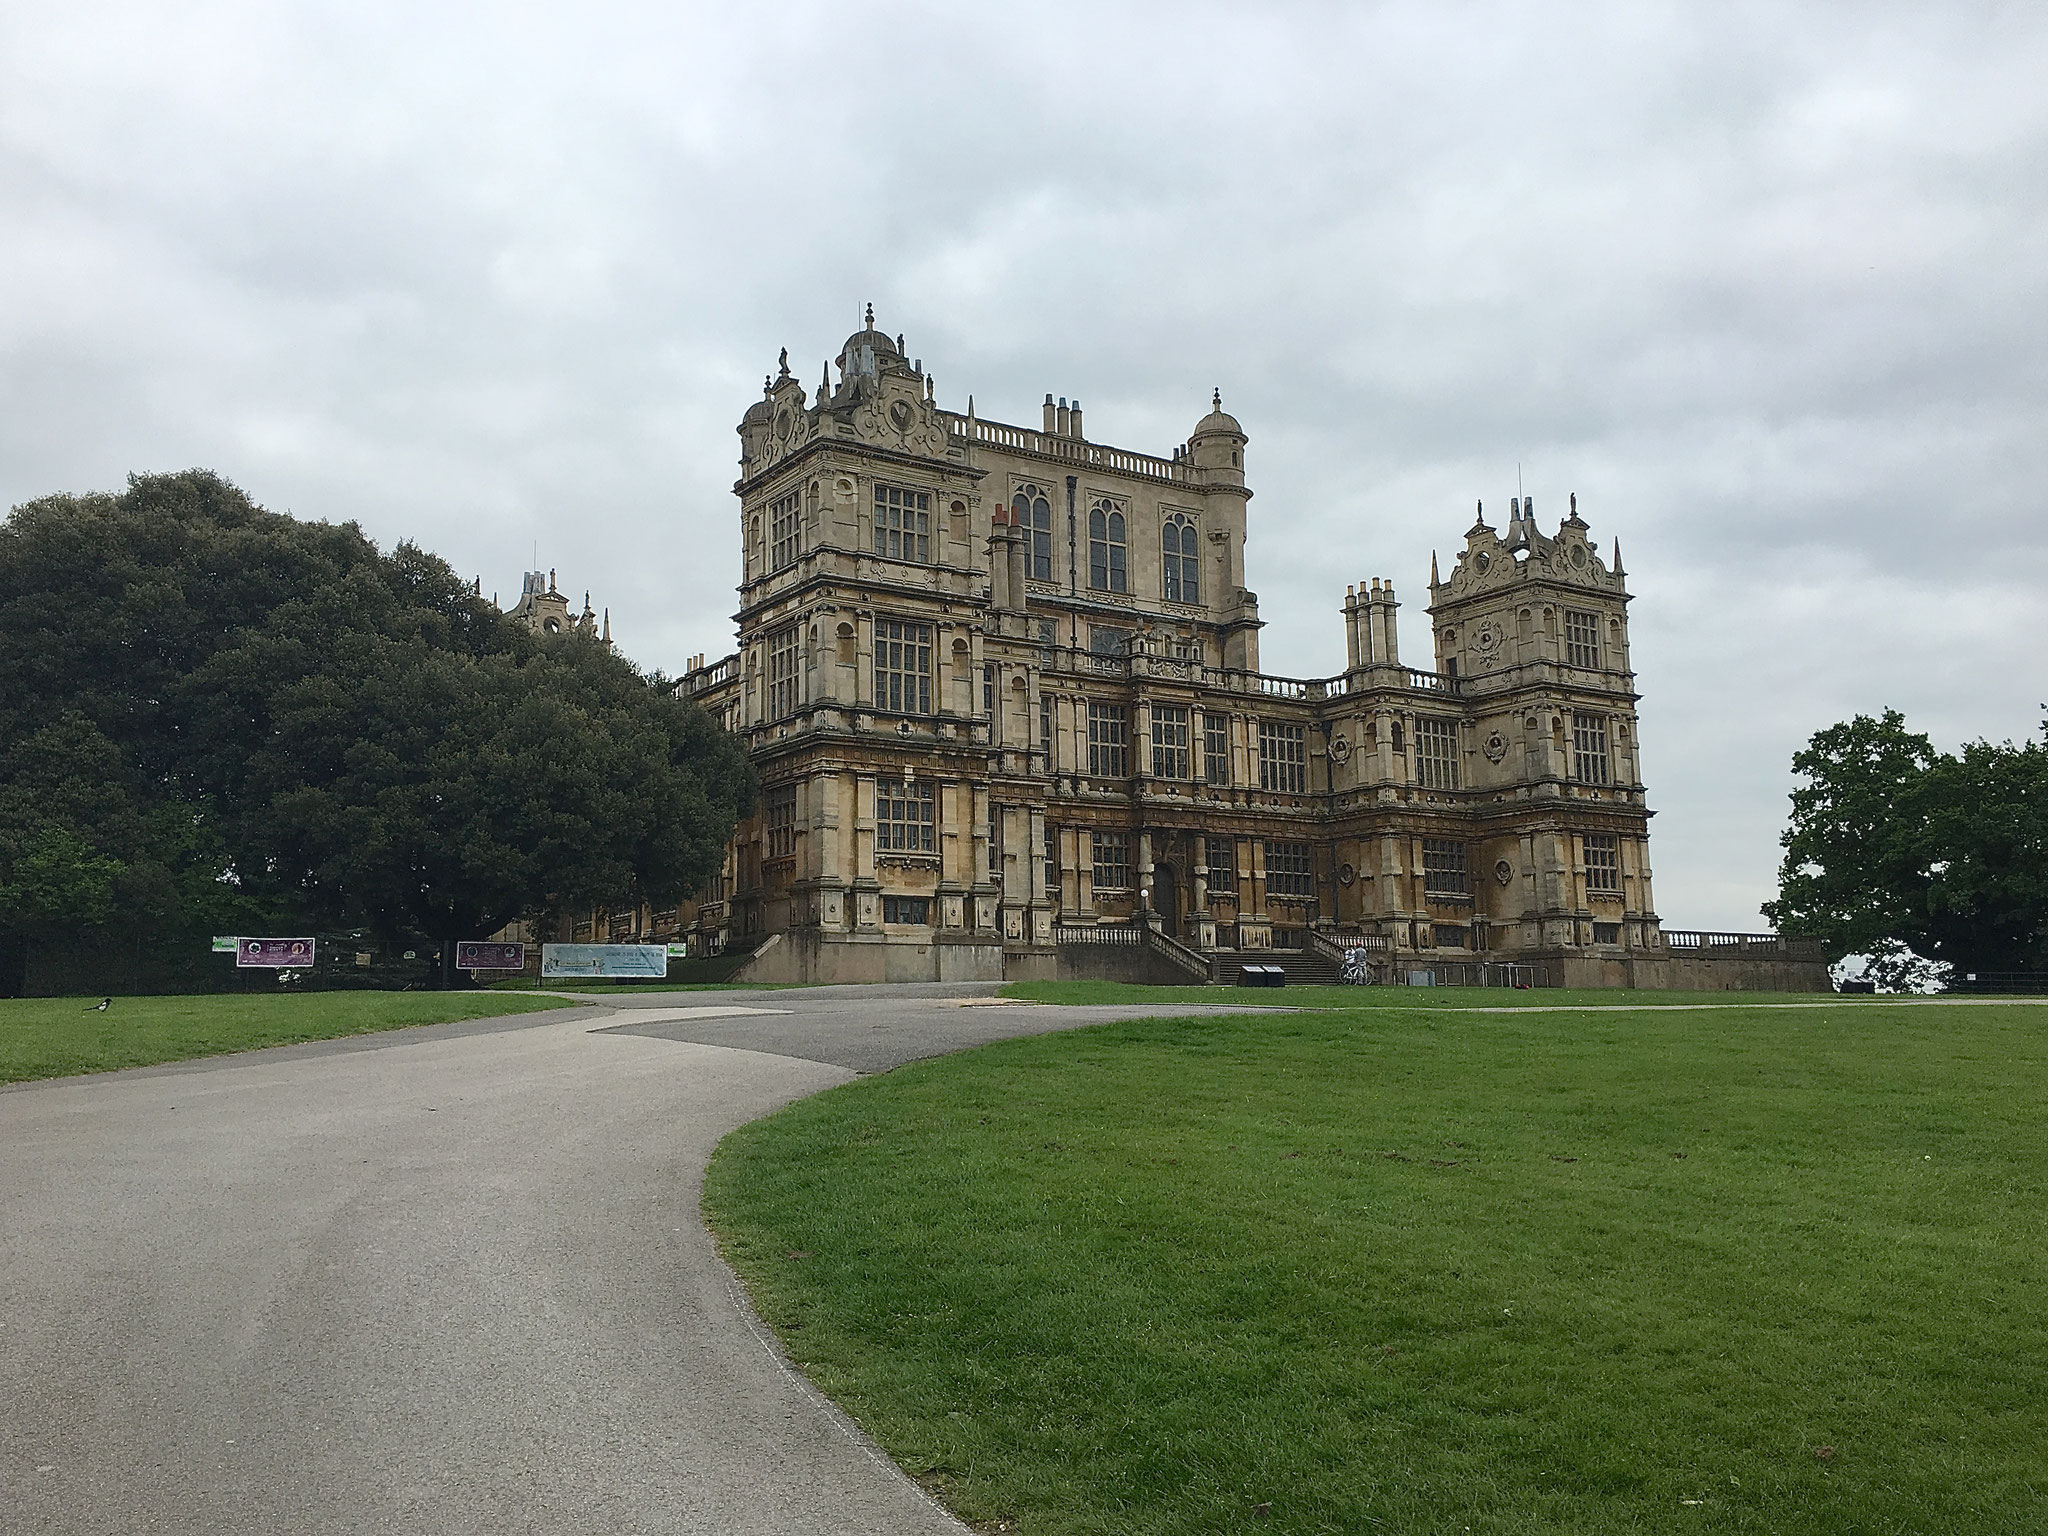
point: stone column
(867, 904)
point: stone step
(1303, 968)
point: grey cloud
(1763, 283)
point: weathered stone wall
(802, 955)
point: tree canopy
(213, 716)
(1891, 839)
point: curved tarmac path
(448, 1279)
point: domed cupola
(1218, 442)
(868, 351)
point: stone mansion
(1002, 687)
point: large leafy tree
(1891, 840)
(242, 714)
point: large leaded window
(903, 666)
(785, 661)
(1108, 551)
(1443, 868)
(1169, 741)
(904, 819)
(1215, 748)
(779, 813)
(785, 531)
(1112, 860)
(1603, 862)
(1436, 753)
(1109, 640)
(1032, 510)
(903, 524)
(1179, 560)
(1589, 748)
(1582, 639)
(913, 910)
(1283, 757)
(1288, 871)
(1109, 737)
(1220, 854)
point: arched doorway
(1166, 899)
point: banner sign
(277, 954)
(682, 952)
(489, 957)
(225, 946)
(603, 960)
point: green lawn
(58, 1036)
(1399, 1269)
(1398, 997)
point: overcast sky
(1764, 284)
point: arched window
(1032, 510)
(1181, 567)
(1108, 556)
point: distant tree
(1892, 840)
(255, 718)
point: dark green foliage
(260, 721)
(1890, 839)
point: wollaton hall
(1002, 687)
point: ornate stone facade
(1002, 685)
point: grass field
(58, 1036)
(1079, 992)
(1399, 1269)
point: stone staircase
(1304, 967)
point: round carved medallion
(1495, 746)
(1340, 748)
(1503, 871)
(1346, 874)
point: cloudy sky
(1764, 284)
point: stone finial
(1216, 398)
(784, 360)
(871, 315)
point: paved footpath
(441, 1280)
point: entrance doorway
(1166, 899)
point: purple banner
(277, 954)
(489, 957)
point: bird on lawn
(101, 1006)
